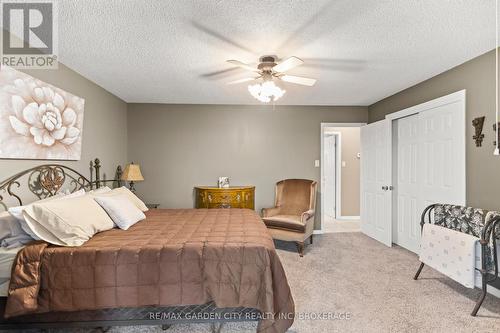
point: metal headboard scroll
(47, 180)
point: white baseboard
(494, 291)
(317, 232)
(348, 218)
(491, 290)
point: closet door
(430, 166)
(407, 192)
(376, 200)
(443, 154)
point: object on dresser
(132, 174)
(231, 197)
(223, 182)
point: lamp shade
(132, 173)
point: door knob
(385, 188)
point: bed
(177, 265)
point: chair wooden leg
(300, 248)
(311, 239)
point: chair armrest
(268, 212)
(307, 215)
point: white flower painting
(38, 120)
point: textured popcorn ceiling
(359, 50)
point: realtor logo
(29, 36)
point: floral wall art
(38, 120)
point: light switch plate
(343, 164)
(316, 163)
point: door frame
(458, 96)
(338, 151)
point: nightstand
(152, 205)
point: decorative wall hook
(498, 137)
(478, 127)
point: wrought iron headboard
(47, 180)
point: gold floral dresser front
(230, 197)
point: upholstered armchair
(292, 217)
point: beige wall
(350, 176)
(477, 76)
(181, 146)
(104, 128)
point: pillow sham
(100, 190)
(71, 221)
(125, 191)
(121, 210)
(17, 212)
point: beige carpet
(332, 225)
(351, 273)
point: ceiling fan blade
(247, 79)
(298, 80)
(243, 65)
(287, 64)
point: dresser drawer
(233, 197)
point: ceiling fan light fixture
(266, 92)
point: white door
(407, 192)
(329, 176)
(376, 199)
(430, 166)
(443, 154)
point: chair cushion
(295, 196)
(290, 222)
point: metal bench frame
(488, 233)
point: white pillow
(17, 212)
(11, 234)
(100, 190)
(121, 210)
(5, 222)
(125, 191)
(40, 232)
(71, 221)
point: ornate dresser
(230, 197)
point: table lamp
(131, 174)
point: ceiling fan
(268, 70)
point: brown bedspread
(174, 257)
